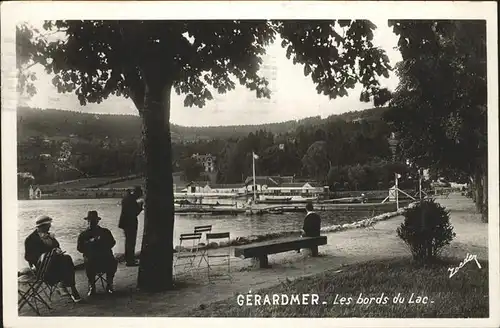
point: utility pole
(254, 156)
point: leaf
(208, 95)
(307, 69)
(189, 100)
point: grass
(463, 295)
(78, 184)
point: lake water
(68, 222)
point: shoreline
(238, 241)
(59, 192)
(352, 246)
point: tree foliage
(191, 169)
(199, 55)
(440, 105)
(316, 161)
(445, 109)
(145, 60)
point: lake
(68, 222)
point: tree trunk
(484, 191)
(478, 194)
(155, 270)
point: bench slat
(278, 246)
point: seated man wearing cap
(61, 269)
(96, 243)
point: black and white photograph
(191, 160)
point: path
(344, 247)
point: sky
(293, 95)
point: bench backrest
(218, 235)
(193, 237)
(204, 228)
(190, 236)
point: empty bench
(261, 250)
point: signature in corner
(468, 258)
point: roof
(261, 180)
(293, 185)
(287, 179)
(227, 186)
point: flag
(255, 155)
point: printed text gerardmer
(277, 299)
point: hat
(42, 220)
(92, 215)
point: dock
(260, 209)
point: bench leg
(314, 251)
(263, 262)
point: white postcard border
(14, 12)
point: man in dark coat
(131, 208)
(96, 244)
(312, 226)
(61, 268)
(312, 223)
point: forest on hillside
(347, 151)
(36, 122)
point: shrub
(426, 230)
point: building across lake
(267, 189)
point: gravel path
(344, 247)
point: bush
(426, 230)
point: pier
(259, 209)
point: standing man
(128, 222)
(96, 244)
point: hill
(54, 124)
(56, 145)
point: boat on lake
(342, 200)
(274, 199)
(279, 199)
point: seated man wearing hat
(96, 243)
(61, 269)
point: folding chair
(36, 285)
(47, 289)
(215, 254)
(188, 251)
(203, 253)
(99, 277)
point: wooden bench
(262, 249)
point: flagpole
(253, 165)
(397, 189)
